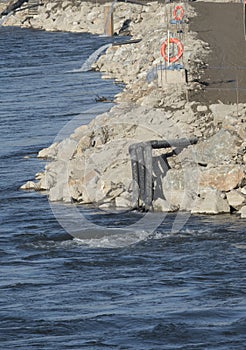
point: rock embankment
(73, 16)
(93, 164)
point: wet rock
(30, 185)
(49, 152)
(162, 205)
(210, 202)
(124, 201)
(121, 202)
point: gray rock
(122, 202)
(210, 202)
(218, 149)
(236, 199)
(47, 181)
(30, 185)
(49, 152)
(242, 211)
(220, 111)
(60, 192)
(180, 187)
(243, 190)
(162, 205)
(66, 149)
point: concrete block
(167, 77)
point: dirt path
(221, 26)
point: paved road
(221, 25)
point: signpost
(244, 17)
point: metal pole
(108, 20)
(168, 47)
(141, 173)
(244, 18)
(135, 179)
(148, 176)
(237, 86)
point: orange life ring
(178, 13)
(173, 58)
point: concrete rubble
(93, 164)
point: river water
(150, 286)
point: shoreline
(205, 178)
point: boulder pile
(74, 16)
(93, 165)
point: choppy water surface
(134, 290)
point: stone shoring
(93, 164)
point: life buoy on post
(179, 46)
(178, 13)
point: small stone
(49, 152)
(29, 185)
(105, 205)
(122, 202)
(197, 133)
(242, 211)
(243, 190)
(202, 108)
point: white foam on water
(123, 239)
(239, 246)
(86, 66)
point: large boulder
(222, 177)
(180, 187)
(210, 202)
(220, 111)
(218, 149)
